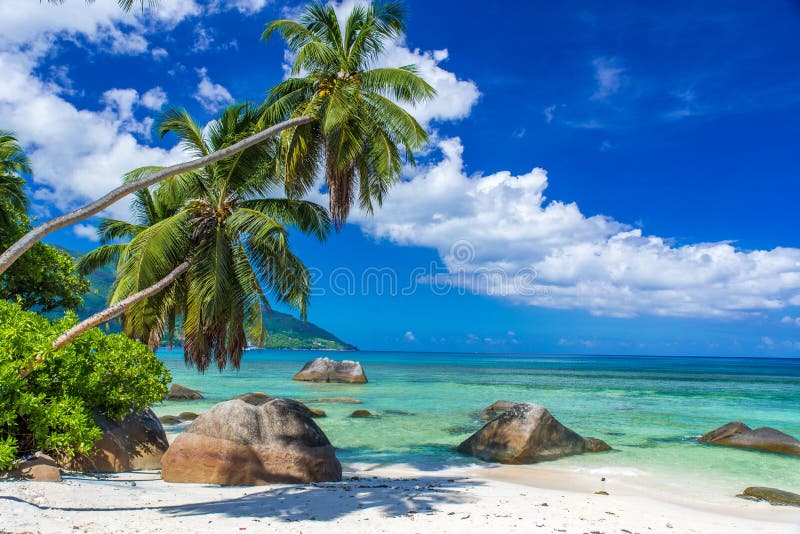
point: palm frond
(308, 217)
(190, 134)
(100, 257)
(109, 230)
(403, 84)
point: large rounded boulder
(39, 468)
(524, 434)
(259, 397)
(236, 443)
(496, 408)
(135, 443)
(738, 434)
(327, 370)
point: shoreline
(372, 498)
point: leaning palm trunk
(31, 238)
(119, 308)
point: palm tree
(359, 129)
(149, 208)
(341, 112)
(208, 245)
(13, 164)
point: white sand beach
(379, 499)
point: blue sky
(601, 179)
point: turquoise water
(648, 409)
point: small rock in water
(169, 420)
(362, 414)
(771, 495)
(179, 392)
(343, 400)
(738, 434)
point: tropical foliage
(223, 222)
(45, 277)
(13, 165)
(361, 135)
(50, 408)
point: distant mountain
(285, 331)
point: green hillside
(285, 331)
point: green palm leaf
(355, 105)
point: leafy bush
(51, 408)
(44, 278)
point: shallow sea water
(649, 409)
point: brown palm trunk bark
(16, 250)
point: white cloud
(154, 99)
(795, 321)
(159, 53)
(203, 39)
(247, 7)
(76, 154)
(86, 231)
(409, 336)
(498, 234)
(549, 113)
(121, 101)
(608, 75)
(212, 96)
(767, 341)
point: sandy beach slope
(375, 499)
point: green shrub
(51, 408)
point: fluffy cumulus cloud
(212, 96)
(154, 99)
(498, 234)
(75, 153)
(86, 231)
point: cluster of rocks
(256, 439)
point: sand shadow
(317, 502)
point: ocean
(649, 409)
